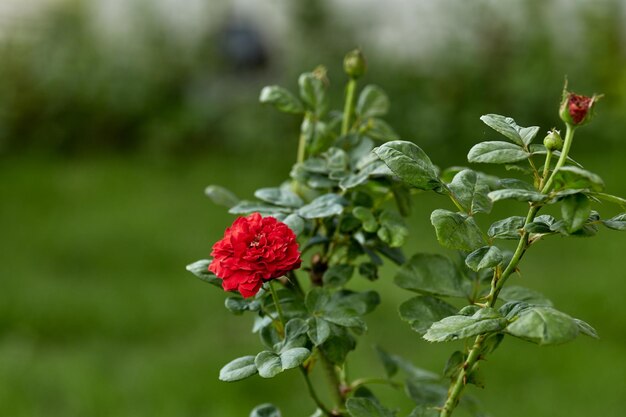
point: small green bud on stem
(553, 141)
(354, 64)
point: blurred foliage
(98, 316)
(64, 89)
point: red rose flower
(254, 249)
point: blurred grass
(99, 318)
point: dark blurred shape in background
(114, 115)
(241, 46)
(74, 79)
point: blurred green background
(114, 115)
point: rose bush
(254, 249)
(345, 201)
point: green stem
(279, 309)
(454, 394)
(569, 138)
(348, 108)
(546, 168)
(333, 379)
(313, 394)
(302, 141)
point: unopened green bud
(553, 141)
(354, 64)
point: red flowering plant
(290, 262)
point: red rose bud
(576, 109)
(254, 249)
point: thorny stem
(348, 107)
(474, 355)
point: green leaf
(201, 270)
(247, 207)
(485, 320)
(295, 223)
(367, 218)
(237, 369)
(265, 410)
(237, 304)
(337, 347)
(541, 225)
(393, 363)
(616, 223)
(282, 196)
(577, 178)
(295, 332)
(422, 311)
(282, 99)
(368, 270)
(611, 198)
(585, 328)
(423, 411)
(453, 365)
(319, 330)
(343, 308)
(433, 275)
(575, 211)
(221, 196)
(367, 407)
(491, 343)
(507, 126)
(471, 192)
(317, 135)
(484, 258)
(543, 325)
(456, 230)
(326, 205)
(495, 152)
(337, 275)
(372, 102)
(410, 163)
(375, 169)
(380, 130)
(517, 293)
(313, 93)
(270, 364)
(425, 393)
(509, 228)
(293, 357)
(517, 194)
(392, 230)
